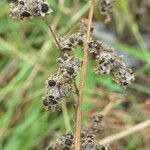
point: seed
(45, 102)
(68, 142)
(90, 45)
(50, 148)
(125, 83)
(25, 14)
(44, 8)
(80, 42)
(51, 96)
(70, 70)
(51, 83)
(103, 148)
(21, 3)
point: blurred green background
(28, 58)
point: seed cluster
(29, 8)
(88, 139)
(59, 86)
(96, 123)
(69, 43)
(57, 91)
(108, 62)
(69, 66)
(111, 63)
(106, 8)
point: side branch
(115, 137)
(53, 34)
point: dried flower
(111, 63)
(57, 91)
(96, 123)
(106, 8)
(29, 8)
(95, 47)
(88, 139)
(88, 142)
(68, 43)
(123, 76)
(69, 66)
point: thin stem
(51, 30)
(115, 137)
(76, 87)
(66, 116)
(82, 79)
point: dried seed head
(96, 123)
(88, 139)
(84, 26)
(68, 43)
(106, 8)
(70, 66)
(57, 91)
(29, 8)
(95, 47)
(111, 63)
(123, 76)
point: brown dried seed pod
(84, 26)
(29, 8)
(57, 91)
(106, 8)
(111, 63)
(68, 43)
(96, 123)
(70, 66)
(123, 76)
(96, 47)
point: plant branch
(82, 80)
(53, 34)
(115, 137)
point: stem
(82, 80)
(53, 34)
(76, 87)
(66, 116)
(118, 136)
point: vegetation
(28, 57)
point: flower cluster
(69, 43)
(60, 85)
(88, 139)
(106, 8)
(29, 8)
(108, 62)
(57, 91)
(69, 66)
(111, 63)
(96, 123)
